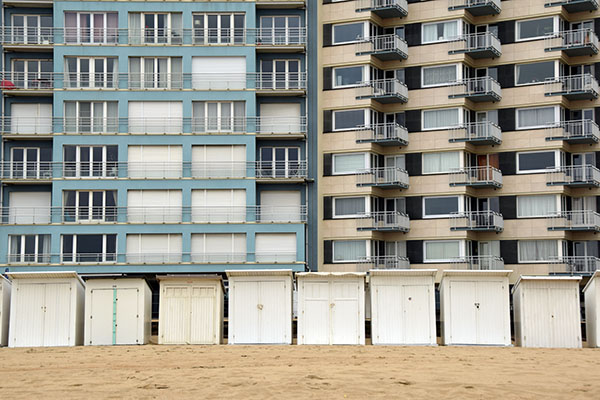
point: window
(155, 117)
(349, 76)
(279, 162)
(349, 250)
(31, 29)
(29, 248)
(280, 30)
(279, 74)
(218, 205)
(536, 28)
(155, 28)
(91, 116)
(275, 247)
(163, 248)
(442, 250)
(89, 248)
(440, 75)
(537, 161)
(154, 206)
(153, 162)
(439, 163)
(440, 31)
(349, 163)
(349, 33)
(440, 207)
(218, 247)
(350, 119)
(89, 206)
(537, 250)
(537, 117)
(85, 27)
(32, 74)
(155, 73)
(536, 206)
(30, 163)
(534, 72)
(441, 119)
(219, 28)
(349, 207)
(90, 161)
(219, 116)
(95, 72)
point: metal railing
(386, 132)
(573, 84)
(477, 220)
(382, 44)
(577, 264)
(383, 176)
(476, 176)
(384, 88)
(575, 38)
(473, 3)
(476, 42)
(575, 220)
(585, 129)
(474, 131)
(574, 175)
(479, 263)
(384, 220)
(281, 169)
(386, 262)
(266, 37)
(379, 4)
(474, 87)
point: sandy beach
(262, 372)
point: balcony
(476, 177)
(388, 134)
(280, 4)
(384, 91)
(20, 171)
(477, 133)
(476, 89)
(477, 221)
(27, 83)
(576, 87)
(384, 178)
(281, 171)
(574, 6)
(34, 38)
(574, 176)
(577, 264)
(575, 132)
(582, 220)
(477, 45)
(384, 48)
(476, 8)
(384, 8)
(479, 263)
(384, 221)
(386, 262)
(579, 42)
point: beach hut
(46, 309)
(403, 306)
(474, 308)
(117, 311)
(331, 308)
(4, 309)
(547, 311)
(260, 306)
(591, 294)
(190, 309)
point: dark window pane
(441, 206)
(536, 161)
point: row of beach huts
(61, 309)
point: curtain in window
(70, 27)
(430, 33)
(44, 248)
(437, 119)
(450, 30)
(534, 117)
(349, 250)
(439, 75)
(442, 250)
(536, 206)
(71, 72)
(440, 162)
(135, 28)
(239, 115)
(15, 248)
(349, 206)
(349, 163)
(538, 250)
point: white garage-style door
(280, 206)
(219, 161)
(218, 73)
(156, 206)
(275, 247)
(29, 207)
(155, 117)
(218, 205)
(155, 161)
(115, 316)
(30, 118)
(280, 118)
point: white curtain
(536, 117)
(135, 28)
(440, 162)
(44, 248)
(442, 250)
(450, 30)
(439, 75)
(438, 119)
(430, 33)
(538, 250)
(349, 250)
(348, 163)
(349, 206)
(536, 206)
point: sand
(298, 372)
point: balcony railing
(384, 8)
(387, 134)
(40, 81)
(383, 47)
(484, 133)
(477, 221)
(574, 176)
(261, 37)
(384, 91)
(281, 170)
(485, 176)
(386, 262)
(581, 220)
(385, 178)
(578, 42)
(577, 264)
(586, 131)
(477, 45)
(479, 263)
(476, 7)
(384, 221)
(477, 89)
(280, 125)
(573, 6)
(575, 87)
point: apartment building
(144, 137)
(459, 134)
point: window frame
(556, 72)
(460, 161)
(334, 214)
(558, 203)
(365, 76)
(441, 128)
(74, 254)
(557, 162)
(365, 33)
(559, 244)
(459, 74)
(367, 251)
(367, 118)
(459, 30)
(461, 251)
(555, 27)
(461, 206)
(557, 118)
(366, 157)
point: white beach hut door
(127, 316)
(316, 312)
(540, 331)
(490, 313)
(246, 312)
(272, 312)
(29, 329)
(57, 318)
(344, 313)
(563, 327)
(416, 323)
(202, 305)
(176, 315)
(390, 327)
(463, 313)
(101, 318)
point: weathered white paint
(5, 288)
(592, 310)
